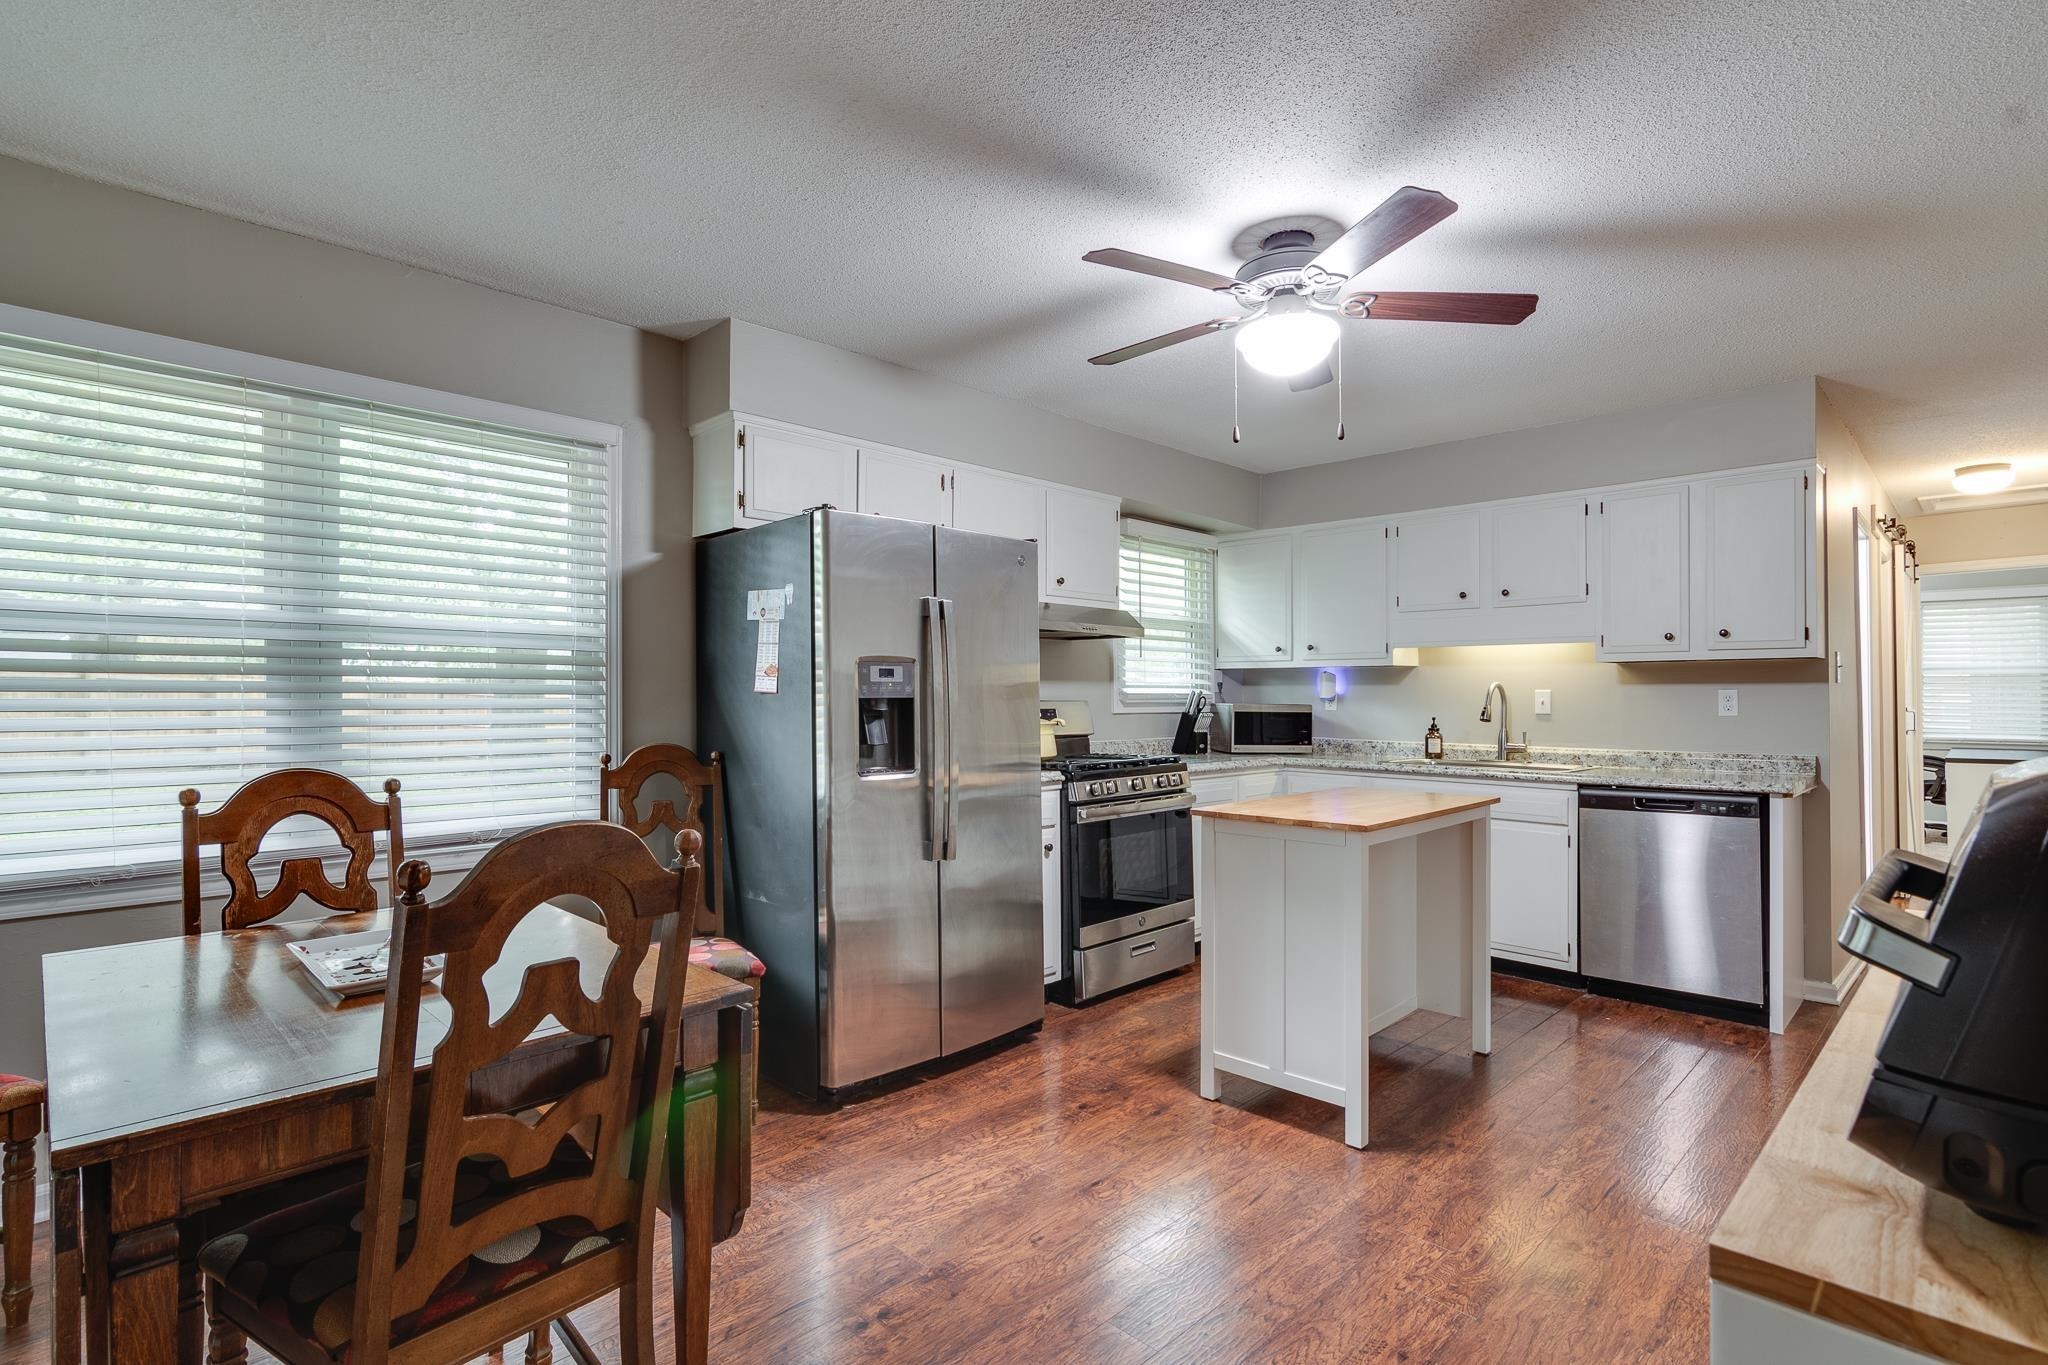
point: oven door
(1130, 868)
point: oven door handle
(1124, 810)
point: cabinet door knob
(1048, 850)
(1311, 648)
(1061, 581)
(1278, 649)
(1669, 636)
(1724, 634)
(1503, 592)
(1461, 597)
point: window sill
(152, 887)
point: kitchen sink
(1515, 764)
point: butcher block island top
(1822, 1226)
(1350, 809)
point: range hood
(1059, 621)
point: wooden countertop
(1824, 1227)
(1348, 808)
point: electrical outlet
(1542, 701)
(1726, 705)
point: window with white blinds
(204, 578)
(1984, 667)
(1171, 589)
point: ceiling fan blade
(1160, 343)
(1504, 309)
(1165, 270)
(1313, 379)
(1407, 213)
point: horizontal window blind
(1984, 668)
(1171, 589)
(204, 578)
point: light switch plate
(1726, 705)
(1542, 701)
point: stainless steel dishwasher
(1671, 898)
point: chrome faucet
(1502, 749)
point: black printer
(1959, 1097)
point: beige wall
(1768, 425)
(1991, 533)
(91, 251)
(752, 369)
(1852, 489)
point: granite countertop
(1769, 774)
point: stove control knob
(1180, 779)
(1095, 789)
(1112, 787)
(1137, 784)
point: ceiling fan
(1290, 289)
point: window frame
(1134, 529)
(128, 888)
(1935, 597)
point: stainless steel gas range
(1128, 871)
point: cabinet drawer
(1211, 791)
(1540, 805)
(1252, 786)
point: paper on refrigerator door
(764, 607)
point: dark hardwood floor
(1070, 1198)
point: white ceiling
(1706, 195)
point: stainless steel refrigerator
(881, 756)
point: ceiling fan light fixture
(1287, 343)
(1982, 478)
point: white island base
(1329, 915)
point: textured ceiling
(1706, 195)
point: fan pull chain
(1340, 386)
(1233, 395)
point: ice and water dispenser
(888, 716)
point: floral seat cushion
(296, 1266)
(727, 958)
(19, 1091)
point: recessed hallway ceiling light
(1982, 478)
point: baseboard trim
(1836, 991)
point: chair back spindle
(703, 797)
(604, 1111)
(258, 806)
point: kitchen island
(1330, 915)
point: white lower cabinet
(1302, 780)
(1212, 791)
(1049, 879)
(1535, 893)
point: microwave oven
(1245, 728)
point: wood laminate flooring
(1069, 1197)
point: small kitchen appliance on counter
(1959, 1096)
(1263, 728)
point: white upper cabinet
(1254, 599)
(998, 505)
(1538, 553)
(1646, 585)
(1340, 595)
(785, 472)
(1079, 552)
(906, 486)
(1435, 560)
(1755, 562)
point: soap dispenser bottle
(1433, 741)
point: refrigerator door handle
(947, 612)
(937, 732)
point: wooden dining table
(185, 1071)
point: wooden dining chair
(257, 806)
(21, 1123)
(516, 1207)
(703, 794)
